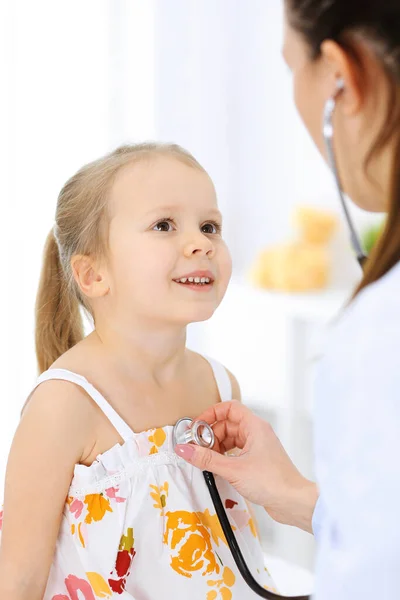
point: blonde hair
(81, 228)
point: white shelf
(312, 307)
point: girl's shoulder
(60, 405)
(55, 426)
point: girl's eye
(163, 226)
(211, 228)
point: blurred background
(81, 77)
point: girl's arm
(54, 434)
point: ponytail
(58, 319)
(386, 253)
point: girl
(97, 504)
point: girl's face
(167, 262)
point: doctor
(354, 509)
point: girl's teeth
(198, 280)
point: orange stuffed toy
(302, 265)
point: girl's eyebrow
(163, 209)
(167, 209)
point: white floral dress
(139, 523)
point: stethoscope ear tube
(327, 130)
(234, 546)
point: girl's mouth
(200, 280)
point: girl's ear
(91, 279)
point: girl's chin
(195, 316)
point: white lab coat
(357, 449)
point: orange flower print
(123, 563)
(157, 438)
(97, 506)
(222, 586)
(190, 541)
(92, 509)
(160, 495)
(213, 525)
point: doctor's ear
(89, 276)
(346, 71)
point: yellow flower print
(190, 540)
(223, 592)
(270, 589)
(158, 438)
(252, 527)
(99, 585)
(81, 534)
(160, 496)
(97, 506)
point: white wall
(57, 115)
(224, 92)
(65, 106)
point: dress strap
(64, 375)
(222, 379)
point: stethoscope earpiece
(339, 85)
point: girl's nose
(200, 245)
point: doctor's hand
(261, 471)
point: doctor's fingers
(228, 435)
(233, 412)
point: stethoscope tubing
(234, 546)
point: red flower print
(230, 503)
(123, 562)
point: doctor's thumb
(205, 459)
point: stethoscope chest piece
(199, 432)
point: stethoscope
(199, 432)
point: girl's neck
(154, 355)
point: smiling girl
(97, 504)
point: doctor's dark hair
(81, 228)
(378, 23)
